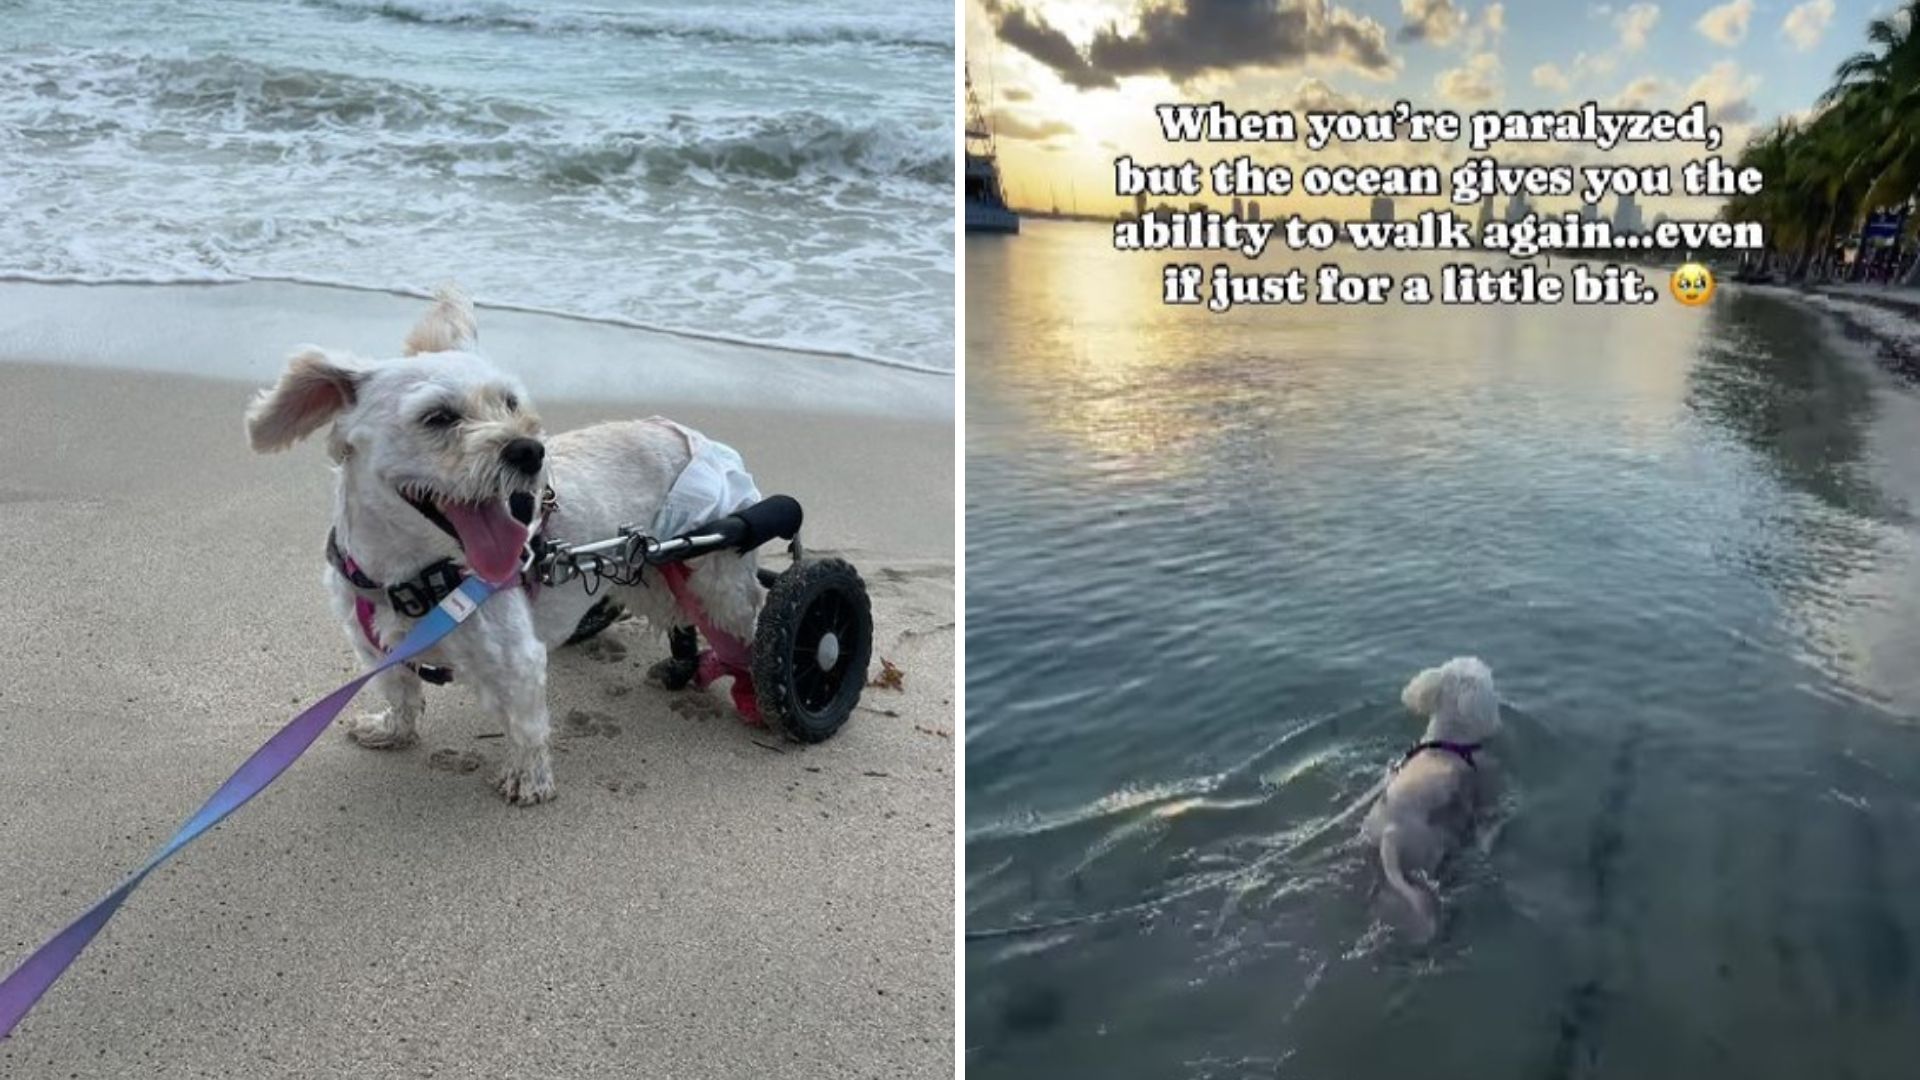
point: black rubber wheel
(811, 648)
(598, 618)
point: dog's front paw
(529, 782)
(382, 730)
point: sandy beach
(702, 900)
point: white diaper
(714, 484)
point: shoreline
(19, 277)
(1887, 321)
(246, 330)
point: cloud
(1009, 124)
(1015, 93)
(1486, 33)
(1441, 22)
(1313, 95)
(1476, 82)
(1584, 65)
(1807, 24)
(1727, 92)
(1727, 24)
(1550, 77)
(1634, 24)
(1642, 93)
(1437, 21)
(1186, 41)
(1033, 36)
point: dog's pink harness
(414, 597)
(363, 614)
(729, 655)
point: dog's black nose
(525, 455)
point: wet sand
(702, 900)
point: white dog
(439, 456)
(1431, 796)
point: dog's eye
(513, 403)
(440, 418)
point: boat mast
(979, 128)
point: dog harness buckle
(413, 599)
(417, 597)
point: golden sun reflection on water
(1078, 343)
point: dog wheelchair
(803, 672)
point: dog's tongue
(491, 537)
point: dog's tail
(449, 327)
(1426, 921)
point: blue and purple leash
(23, 987)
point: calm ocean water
(779, 172)
(1204, 554)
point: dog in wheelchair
(443, 469)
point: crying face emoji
(1692, 284)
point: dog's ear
(311, 393)
(1422, 695)
(449, 327)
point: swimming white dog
(439, 456)
(1431, 796)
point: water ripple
(1205, 553)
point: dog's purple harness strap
(1462, 750)
(26, 983)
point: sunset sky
(1072, 83)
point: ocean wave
(222, 104)
(109, 90)
(1304, 745)
(792, 146)
(783, 147)
(811, 224)
(742, 27)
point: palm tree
(1772, 154)
(1829, 176)
(1860, 152)
(1879, 88)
